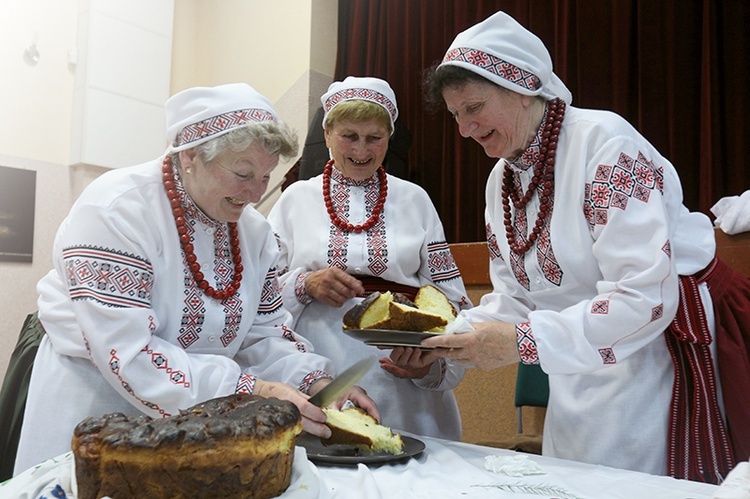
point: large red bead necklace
(542, 180)
(376, 211)
(187, 246)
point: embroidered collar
(342, 179)
(192, 211)
(529, 157)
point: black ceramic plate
(389, 338)
(351, 456)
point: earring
(188, 170)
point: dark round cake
(239, 446)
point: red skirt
(730, 293)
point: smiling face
(503, 122)
(223, 187)
(358, 147)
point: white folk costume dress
(406, 246)
(594, 295)
(129, 331)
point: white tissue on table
(733, 213)
(458, 325)
(516, 465)
(736, 485)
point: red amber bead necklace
(542, 180)
(187, 245)
(376, 211)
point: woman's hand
(332, 286)
(357, 395)
(489, 346)
(406, 362)
(312, 416)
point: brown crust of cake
(235, 446)
(430, 311)
(405, 318)
(354, 427)
(353, 317)
(341, 435)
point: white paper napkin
(516, 465)
(736, 485)
(458, 325)
(733, 213)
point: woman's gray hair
(275, 137)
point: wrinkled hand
(332, 286)
(357, 395)
(489, 346)
(406, 362)
(312, 416)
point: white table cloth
(444, 470)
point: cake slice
(370, 313)
(431, 299)
(405, 318)
(355, 427)
(430, 311)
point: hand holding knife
(339, 385)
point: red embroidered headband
(222, 123)
(496, 66)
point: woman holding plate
(354, 230)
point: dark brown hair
(435, 80)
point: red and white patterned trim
(311, 378)
(108, 276)
(441, 263)
(526, 343)
(221, 123)
(246, 384)
(289, 335)
(270, 296)
(496, 66)
(361, 94)
(300, 290)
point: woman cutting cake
(164, 292)
(354, 230)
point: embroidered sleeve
(270, 298)
(300, 291)
(526, 343)
(107, 276)
(311, 378)
(246, 384)
(441, 263)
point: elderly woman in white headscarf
(164, 292)
(598, 269)
(354, 230)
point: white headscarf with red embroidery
(504, 52)
(361, 88)
(199, 114)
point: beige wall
(284, 48)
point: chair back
(14, 391)
(532, 386)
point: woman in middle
(354, 230)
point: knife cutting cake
(430, 311)
(355, 427)
(239, 446)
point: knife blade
(342, 383)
